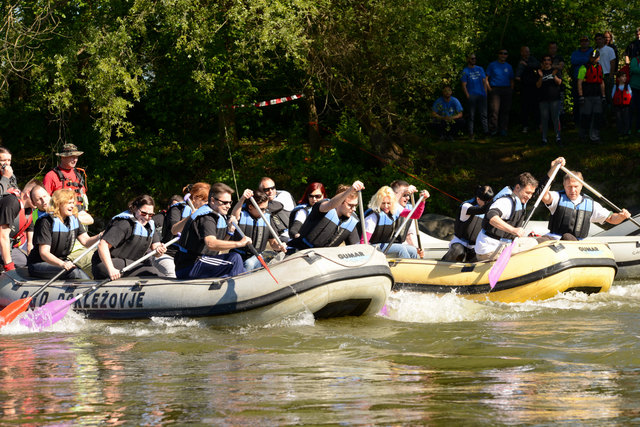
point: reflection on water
(430, 360)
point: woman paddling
(314, 193)
(127, 238)
(54, 236)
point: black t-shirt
(202, 227)
(10, 209)
(550, 91)
(119, 231)
(43, 235)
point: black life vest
(191, 242)
(138, 243)
(515, 219)
(63, 235)
(76, 185)
(622, 97)
(184, 210)
(402, 237)
(294, 212)
(279, 216)
(324, 230)
(385, 226)
(255, 229)
(571, 218)
(468, 230)
(21, 222)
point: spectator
(633, 50)
(474, 85)
(7, 178)
(621, 97)
(608, 64)
(557, 61)
(500, 77)
(591, 98)
(608, 40)
(527, 75)
(634, 82)
(579, 57)
(447, 113)
(549, 84)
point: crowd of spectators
(601, 84)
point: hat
(595, 54)
(69, 150)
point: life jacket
(571, 218)
(76, 185)
(63, 236)
(468, 230)
(279, 216)
(294, 212)
(138, 243)
(326, 230)
(386, 225)
(593, 74)
(184, 210)
(191, 242)
(515, 219)
(20, 223)
(402, 237)
(255, 229)
(622, 97)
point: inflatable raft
(536, 274)
(328, 282)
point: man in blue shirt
(579, 57)
(474, 85)
(500, 77)
(447, 113)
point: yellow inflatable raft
(536, 274)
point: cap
(69, 150)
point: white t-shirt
(607, 54)
(286, 199)
(485, 244)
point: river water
(573, 359)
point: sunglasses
(265, 189)
(223, 202)
(315, 196)
(146, 214)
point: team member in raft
(383, 218)
(330, 222)
(54, 235)
(503, 221)
(127, 238)
(468, 225)
(572, 212)
(205, 234)
(178, 213)
(312, 195)
(403, 192)
(253, 226)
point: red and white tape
(271, 101)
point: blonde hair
(376, 200)
(61, 197)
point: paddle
(505, 256)
(10, 312)
(271, 230)
(361, 208)
(252, 248)
(406, 221)
(54, 311)
(415, 222)
(595, 192)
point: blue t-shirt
(447, 109)
(579, 58)
(500, 74)
(474, 77)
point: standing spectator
(608, 40)
(633, 50)
(591, 98)
(474, 85)
(634, 68)
(621, 98)
(549, 84)
(557, 61)
(579, 57)
(500, 77)
(608, 64)
(527, 75)
(447, 112)
(7, 178)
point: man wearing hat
(591, 97)
(67, 175)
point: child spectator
(621, 99)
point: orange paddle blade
(13, 310)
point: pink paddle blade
(500, 265)
(47, 315)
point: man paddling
(504, 219)
(573, 212)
